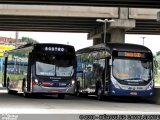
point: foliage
(158, 53)
(157, 69)
(29, 40)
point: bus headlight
(36, 81)
(150, 86)
(116, 85)
(73, 82)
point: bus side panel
(17, 68)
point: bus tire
(9, 91)
(25, 94)
(77, 89)
(61, 96)
(99, 91)
(99, 94)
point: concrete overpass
(115, 3)
(67, 18)
(80, 16)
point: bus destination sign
(56, 49)
(132, 54)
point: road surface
(17, 104)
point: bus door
(29, 71)
(4, 72)
(107, 75)
(80, 80)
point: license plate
(62, 84)
(133, 93)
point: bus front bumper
(53, 90)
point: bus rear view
(49, 69)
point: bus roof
(115, 46)
(43, 44)
(37, 45)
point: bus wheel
(9, 91)
(24, 89)
(98, 90)
(77, 89)
(61, 96)
(99, 94)
(27, 95)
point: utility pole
(143, 39)
(16, 39)
(105, 21)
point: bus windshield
(49, 65)
(132, 69)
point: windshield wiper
(144, 80)
(132, 79)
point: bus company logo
(57, 49)
(9, 117)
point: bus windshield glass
(50, 65)
(132, 69)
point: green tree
(158, 53)
(29, 40)
(157, 69)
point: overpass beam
(158, 16)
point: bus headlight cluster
(116, 84)
(36, 81)
(150, 86)
(73, 82)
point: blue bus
(40, 69)
(115, 69)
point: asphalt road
(17, 104)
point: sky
(79, 40)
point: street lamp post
(105, 24)
(143, 39)
(16, 39)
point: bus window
(45, 69)
(64, 66)
(125, 69)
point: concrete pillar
(97, 41)
(115, 30)
(118, 35)
(101, 40)
(108, 37)
(158, 16)
(119, 26)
